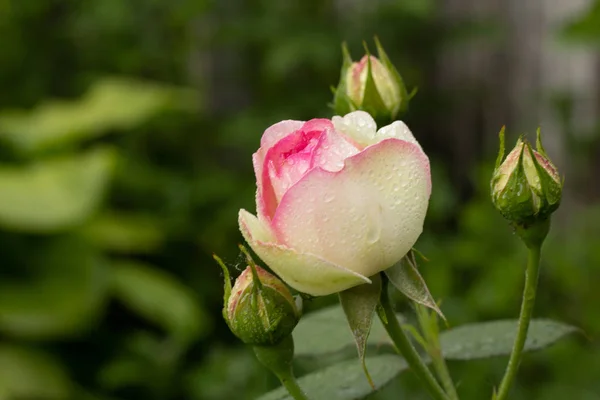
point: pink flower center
(316, 144)
(290, 159)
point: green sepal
(405, 277)
(359, 304)
(404, 96)
(371, 100)
(502, 148)
(538, 143)
(342, 104)
(551, 190)
(227, 285)
(517, 202)
(275, 321)
(259, 309)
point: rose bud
(259, 309)
(337, 200)
(373, 85)
(525, 187)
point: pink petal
(271, 136)
(306, 273)
(278, 131)
(332, 150)
(317, 124)
(285, 163)
(365, 217)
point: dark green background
(126, 134)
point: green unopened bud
(373, 85)
(259, 309)
(526, 187)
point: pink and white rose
(337, 200)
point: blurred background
(126, 134)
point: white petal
(304, 272)
(397, 130)
(365, 217)
(358, 125)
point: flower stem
(439, 364)
(429, 326)
(531, 280)
(402, 343)
(291, 384)
(278, 358)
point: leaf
(140, 358)
(123, 371)
(405, 276)
(64, 296)
(343, 381)
(326, 332)
(359, 304)
(124, 232)
(160, 298)
(54, 194)
(31, 374)
(111, 103)
(584, 28)
(495, 338)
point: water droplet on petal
(374, 225)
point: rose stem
(429, 326)
(278, 358)
(402, 343)
(531, 280)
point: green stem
(429, 326)
(531, 279)
(441, 368)
(278, 358)
(291, 384)
(402, 343)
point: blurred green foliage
(126, 131)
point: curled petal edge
(306, 273)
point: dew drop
(374, 225)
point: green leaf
(359, 304)
(124, 371)
(54, 194)
(111, 103)
(343, 381)
(124, 232)
(495, 338)
(64, 296)
(160, 298)
(405, 276)
(584, 28)
(326, 332)
(31, 374)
